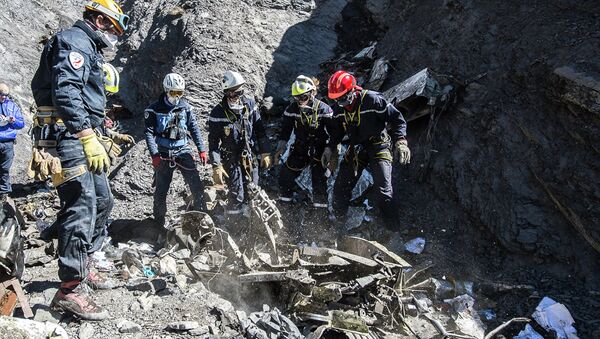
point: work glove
(265, 160)
(156, 161)
(121, 139)
(402, 152)
(110, 146)
(203, 157)
(218, 174)
(281, 146)
(42, 165)
(95, 154)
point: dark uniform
(167, 130)
(314, 129)
(233, 139)
(70, 79)
(372, 127)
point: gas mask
(346, 100)
(110, 40)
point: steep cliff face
(520, 154)
(269, 42)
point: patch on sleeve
(76, 60)
(146, 114)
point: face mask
(110, 40)
(173, 100)
(346, 100)
(236, 107)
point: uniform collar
(91, 33)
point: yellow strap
(346, 114)
(67, 174)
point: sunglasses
(236, 94)
(176, 93)
(302, 97)
(3, 94)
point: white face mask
(173, 100)
(110, 40)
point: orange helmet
(340, 83)
(111, 10)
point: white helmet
(173, 82)
(232, 79)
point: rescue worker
(11, 120)
(311, 120)
(170, 122)
(375, 129)
(69, 92)
(235, 132)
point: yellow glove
(402, 152)
(94, 152)
(281, 146)
(218, 174)
(110, 146)
(265, 160)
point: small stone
(46, 314)
(86, 331)
(183, 325)
(49, 294)
(154, 285)
(200, 330)
(126, 326)
(168, 266)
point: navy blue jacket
(371, 115)
(225, 131)
(316, 128)
(161, 117)
(8, 108)
(70, 77)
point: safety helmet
(4, 89)
(111, 78)
(173, 82)
(340, 83)
(112, 11)
(303, 84)
(232, 79)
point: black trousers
(295, 164)
(381, 193)
(184, 162)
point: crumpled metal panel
(417, 94)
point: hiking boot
(73, 298)
(97, 281)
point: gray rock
(86, 331)
(183, 325)
(126, 326)
(46, 314)
(200, 330)
(527, 236)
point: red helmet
(340, 83)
